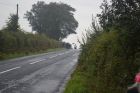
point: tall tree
(106, 17)
(54, 19)
(12, 24)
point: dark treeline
(110, 58)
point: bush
(20, 42)
(103, 66)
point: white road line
(63, 53)
(67, 52)
(37, 61)
(60, 54)
(53, 56)
(9, 70)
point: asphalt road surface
(43, 73)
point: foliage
(20, 42)
(123, 14)
(56, 20)
(110, 59)
(12, 24)
(102, 66)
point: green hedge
(103, 67)
(21, 42)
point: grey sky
(83, 14)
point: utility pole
(17, 10)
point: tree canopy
(123, 14)
(12, 24)
(56, 20)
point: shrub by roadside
(19, 43)
(102, 66)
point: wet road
(44, 73)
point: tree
(106, 16)
(12, 24)
(54, 19)
(124, 14)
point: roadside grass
(5, 56)
(77, 84)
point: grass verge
(22, 54)
(77, 84)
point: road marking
(37, 61)
(9, 70)
(53, 56)
(61, 54)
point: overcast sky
(83, 14)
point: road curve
(43, 73)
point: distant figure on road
(135, 88)
(75, 47)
